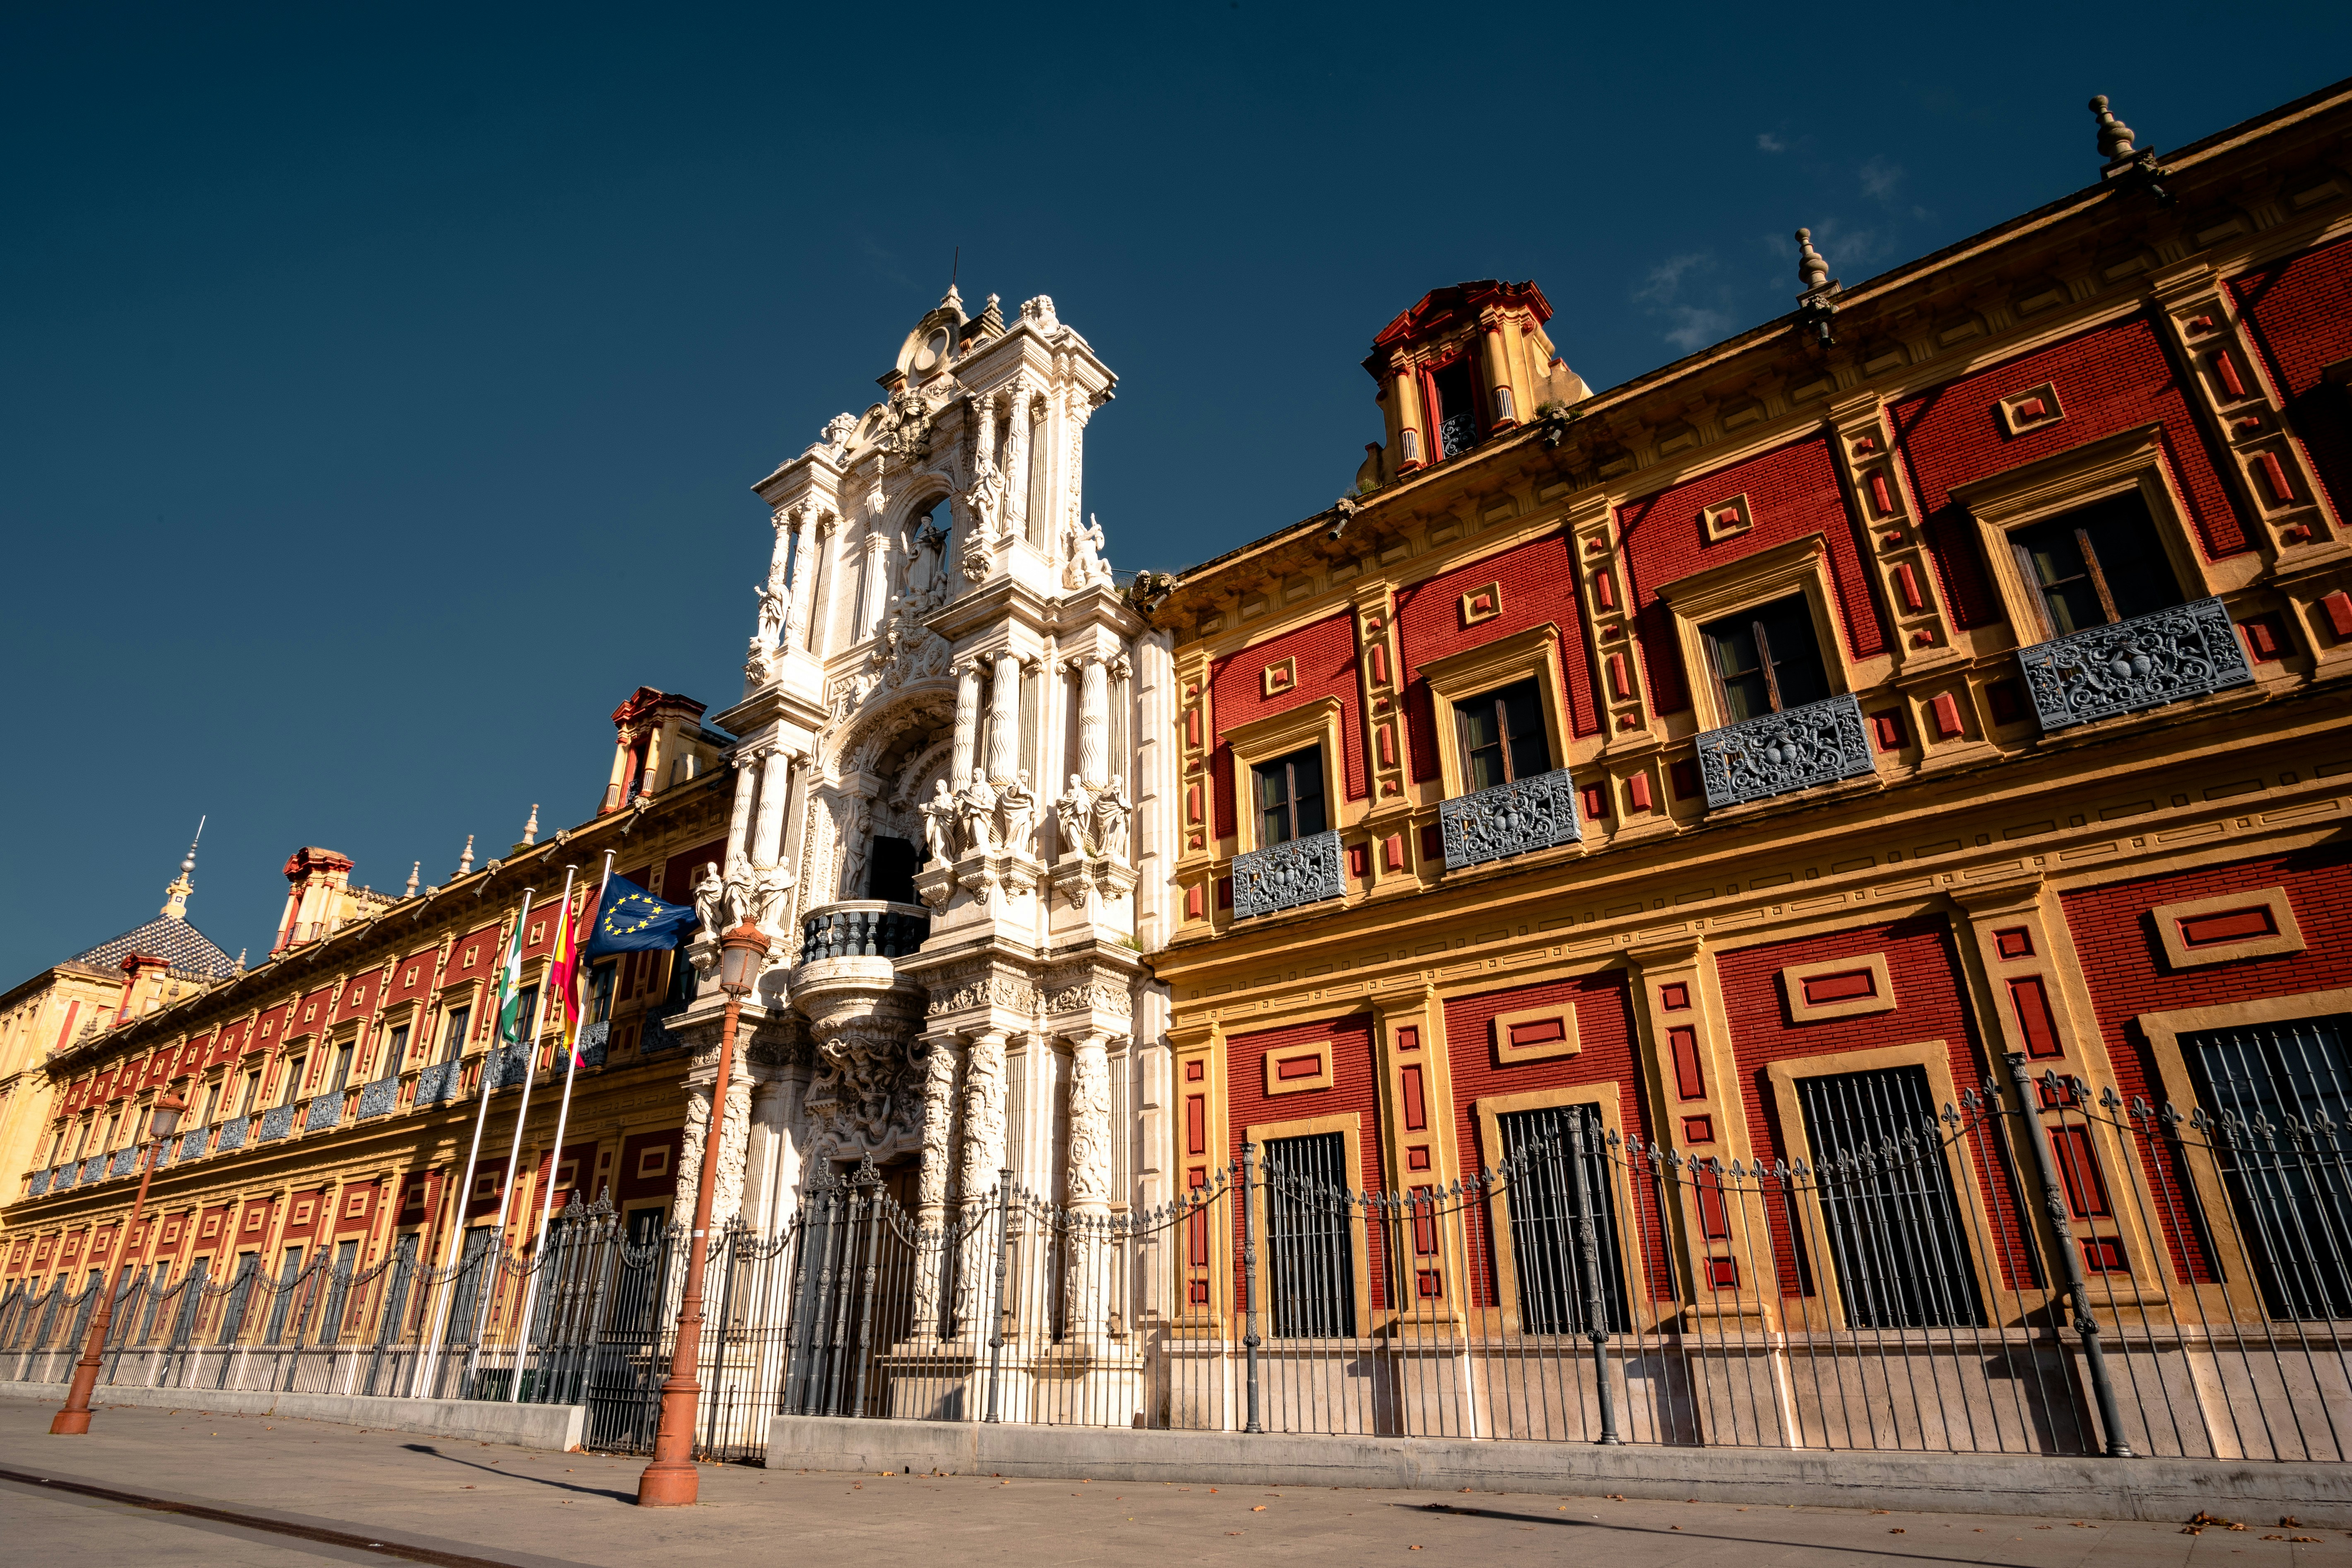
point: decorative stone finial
(531, 828)
(176, 892)
(240, 959)
(1812, 271)
(414, 867)
(2116, 138)
(466, 861)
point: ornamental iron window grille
(1303, 871)
(1310, 1243)
(1527, 813)
(1886, 1202)
(2188, 650)
(1794, 749)
(2279, 1095)
(1560, 1188)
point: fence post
(2078, 1289)
(1595, 1305)
(1249, 1285)
(1003, 1245)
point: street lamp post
(72, 1419)
(671, 1481)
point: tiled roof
(187, 949)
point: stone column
(1087, 1291)
(938, 1171)
(878, 586)
(821, 611)
(1094, 720)
(1004, 720)
(803, 589)
(775, 791)
(1016, 464)
(983, 1157)
(747, 783)
(966, 723)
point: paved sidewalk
(539, 1510)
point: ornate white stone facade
(954, 802)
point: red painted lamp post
(671, 1479)
(72, 1419)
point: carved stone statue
(857, 844)
(1087, 565)
(976, 811)
(738, 895)
(938, 814)
(1112, 809)
(925, 576)
(768, 887)
(710, 888)
(1018, 807)
(1074, 812)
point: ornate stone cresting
(1774, 753)
(1303, 871)
(2188, 650)
(1509, 819)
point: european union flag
(633, 921)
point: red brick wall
(2301, 314)
(2108, 380)
(1931, 1005)
(1538, 580)
(1354, 1088)
(2124, 966)
(1607, 1050)
(679, 871)
(1325, 652)
(1792, 493)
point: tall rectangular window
(2097, 565)
(1311, 1240)
(1503, 735)
(1556, 1181)
(599, 991)
(252, 1092)
(1765, 659)
(1455, 417)
(1894, 1224)
(293, 1086)
(396, 1051)
(1289, 796)
(339, 1292)
(2282, 1093)
(288, 1271)
(452, 1038)
(344, 1054)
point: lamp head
(741, 951)
(166, 1119)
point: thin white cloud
(1694, 327)
(1879, 177)
(1665, 279)
(1767, 142)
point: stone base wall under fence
(554, 1426)
(2168, 1489)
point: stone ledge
(557, 1427)
(2034, 1485)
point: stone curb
(555, 1426)
(2052, 1487)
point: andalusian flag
(512, 1025)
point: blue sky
(381, 387)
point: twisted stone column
(1004, 720)
(1085, 1291)
(803, 586)
(1094, 720)
(966, 723)
(983, 1157)
(931, 1306)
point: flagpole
(528, 1044)
(563, 1118)
(465, 1189)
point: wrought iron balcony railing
(378, 1098)
(2144, 662)
(864, 928)
(277, 1122)
(1774, 753)
(40, 1184)
(594, 1040)
(232, 1134)
(192, 1143)
(1303, 871)
(125, 1161)
(437, 1082)
(326, 1111)
(1509, 819)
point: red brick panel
(1791, 492)
(1325, 652)
(1354, 1088)
(2301, 315)
(1606, 1051)
(1931, 1005)
(2111, 379)
(1538, 581)
(412, 976)
(679, 871)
